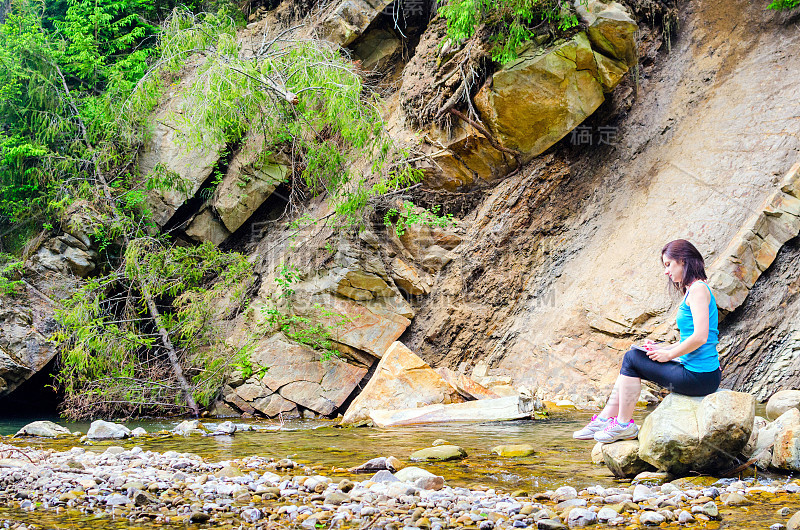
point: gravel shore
(172, 487)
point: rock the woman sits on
(690, 367)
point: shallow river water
(559, 459)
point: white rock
(187, 427)
(581, 517)
(224, 428)
(420, 478)
(45, 429)
(105, 430)
(565, 493)
(651, 518)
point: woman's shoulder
(699, 288)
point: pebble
(581, 517)
(651, 518)
(605, 514)
(685, 517)
(550, 524)
(641, 493)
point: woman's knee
(629, 362)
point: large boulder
(295, 375)
(764, 444)
(402, 380)
(206, 227)
(348, 19)
(697, 433)
(167, 153)
(782, 401)
(536, 100)
(66, 255)
(250, 180)
(669, 435)
(356, 298)
(724, 422)
(533, 102)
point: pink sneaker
(615, 431)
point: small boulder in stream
(782, 401)
(106, 430)
(189, 427)
(226, 428)
(421, 478)
(513, 450)
(389, 463)
(45, 429)
(440, 453)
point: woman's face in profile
(673, 269)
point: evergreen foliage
(512, 22)
(62, 74)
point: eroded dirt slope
(559, 270)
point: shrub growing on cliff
(512, 22)
(781, 5)
(301, 94)
(113, 360)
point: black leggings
(672, 375)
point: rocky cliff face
(55, 266)
(590, 154)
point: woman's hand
(660, 355)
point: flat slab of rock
(45, 429)
(499, 409)
(401, 381)
(514, 450)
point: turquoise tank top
(705, 358)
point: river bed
(559, 460)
